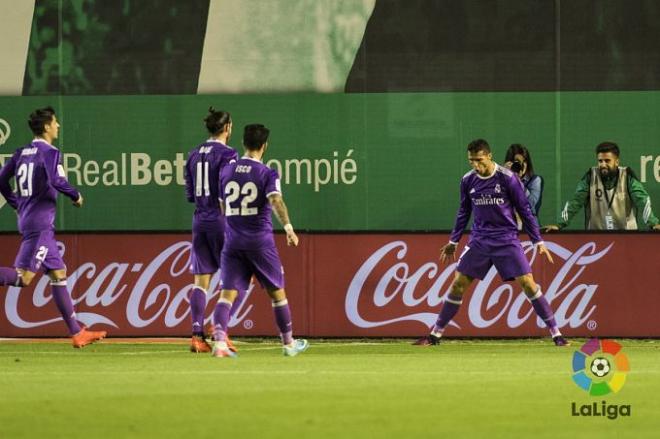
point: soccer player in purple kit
(202, 175)
(250, 191)
(492, 193)
(39, 177)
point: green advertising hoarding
(348, 162)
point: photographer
(611, 196)
(519, 161)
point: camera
(516, 166)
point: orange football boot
(199, 345)
(230, 345)
(85, 337)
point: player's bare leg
(541, 307)
(448, 311)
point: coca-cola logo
(399, 284)
(147, 300)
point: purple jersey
(245, 187)
(493, 200)
(39, 176)
(203, 168)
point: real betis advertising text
(348, 162)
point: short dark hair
(217, 121)
(517, 148)
(254, 136)
(39, 118)
(478, 145)
(608, 147)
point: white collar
(491, 175)
(39, 139)
(251, 158)
(215, 141)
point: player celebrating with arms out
(39, 177)
(250, 191)
(492, 192)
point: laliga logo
(600, 367)
(5, 131)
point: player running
(39, 177)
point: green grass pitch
(337, 389)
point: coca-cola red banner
(347, 285)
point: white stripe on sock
(59, 283)
(280, 303)
(455, 302)
(536, 295)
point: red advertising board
(347, 286)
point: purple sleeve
(56, 175)
(189, 183)
(273, 185)
(521, 204)
(221, 185)
(6, 174)
(463, 214)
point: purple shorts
(205, 251)
(238, 266)
(507, 257)
(39, 250)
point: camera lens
(516, 166)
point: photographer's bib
(610, 209)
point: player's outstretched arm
(282, 215)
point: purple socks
(197, 308)
(65, 306)
(283, 320)
(543, 310)
(448, 311)
(221, 315)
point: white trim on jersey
(490, 176)
(647, 210)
